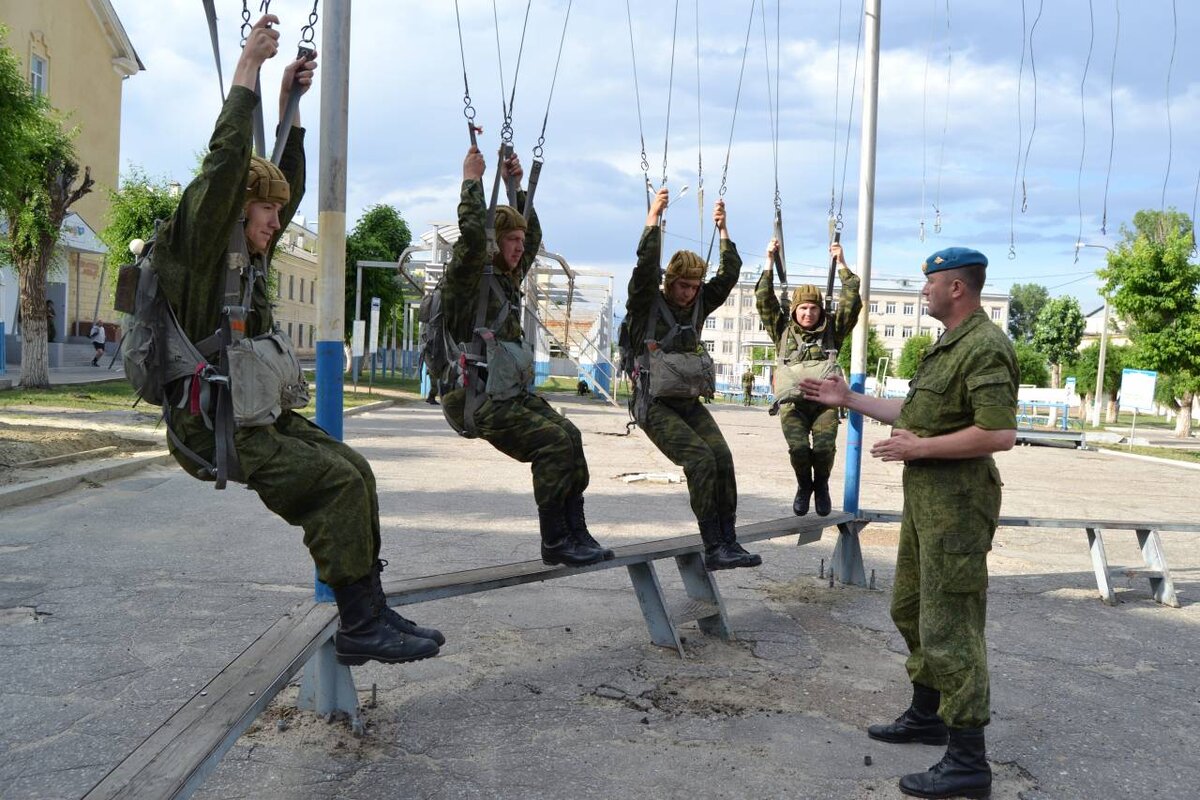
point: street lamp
(1097, 400)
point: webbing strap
(475, 352)
(289, 113)
(210, 12)
(665, 312)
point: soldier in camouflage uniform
(800, 336)
(301, 473)
(681, 427)
(524, 426)
(960, 409)
(747, 387)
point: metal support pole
(1098, 402)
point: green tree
(381, 234)
(1116, 358)
(133, 210)
(914, 349)
(1057, 334)
(875, 351)
(1025, 302)
(1032, 364)
(34, 198)
(1153, 284)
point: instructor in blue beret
(960, 409)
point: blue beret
(953, 258)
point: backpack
(436, 349)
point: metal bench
(174, 760)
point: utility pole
(1098, 400)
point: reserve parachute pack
(798, 364)
(228, 379)
(660, 372)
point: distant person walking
(98, 337)
(747, 387)
(50, 315)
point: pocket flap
(933, 383)
(965, 543)
(987, 379)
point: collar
(974, 320)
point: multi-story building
(735, 336)
(76, 54)
(294, 265)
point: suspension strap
(305, 47)
(773, 114)
(699, 132)
(260, 136)
(210, 13)
(827, 343)
(468, 109)
(645, 164)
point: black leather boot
(821, 495)
(393, 618)
(962, 772)
(804, 491)
(919, 723)
(721, 549)
(363, 634)
(559, 545)
(577, 524)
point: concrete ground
(120, 599)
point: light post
(1097, 401)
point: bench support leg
(654, 606)
(1161, 584)
(847, 561)
(701, 586)
(327, 687)
(1100, 566)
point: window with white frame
(996, 312)
(726, 347)
(890, 308)
(728, 323)
(874, 307)
(710, 323)
(708, 345)
(38, 68)
(747, 300)
(909, 308)
(889, 331)
(907, 332)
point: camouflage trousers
(801, 421)
(939, 602)
(311, 480)
(687, 434)
(747, 394)
(527, 429)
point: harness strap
(473, 354)
(210, 12)
(665, 312)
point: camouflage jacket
(189, 255)
(460, 292)
(641, 306)
(967, 377)
(787, 334)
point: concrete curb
(1170, 462)
(352, 412)
(35, 490)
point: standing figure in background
(747, 387)
(98, 336)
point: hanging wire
(1195, 195)
(670, 87)
(1012, 209)
(645, 164)
(837, 94)
(468, 109)
(733, 123)
(699, 131)
(1170, 132)
(837, 225)
(1033, 126)
(1112, 118)
(771, 107)
(1083, 120)
(937, 197)
(506, 130)
(537, 148)
(924, 105)
(778, 91)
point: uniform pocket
(964, 562)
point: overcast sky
(953, 142)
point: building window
(302, 290)
(310, 334)
(908, 309)
(279, 288)
(890, 308)
(291, 287)
(995, 312)
(726, 347)
(710, 323)
(747, 301)
(761, 327)
(289, 330)
(874, 307)
(907, 332)
(707, 345)
(312, 293)
(747, 323)
(729, 302)
(889, 331)
(835, 305)
(300, 333)
(37, 75)
(729, 323)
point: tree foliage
(133, 210)
(34, 198)
(1153, 284)
(381, 234)
(1116, 358)
(914, 350)
(1032, 364)
(1025, 302)
(875, 351)
(1058, 332)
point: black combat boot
(393, 618)
(803, 493)
(962, 772)
(363, 634)
(821, 495)
(559, 545)
(577, 524)
(721, 549)
(919, 723)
